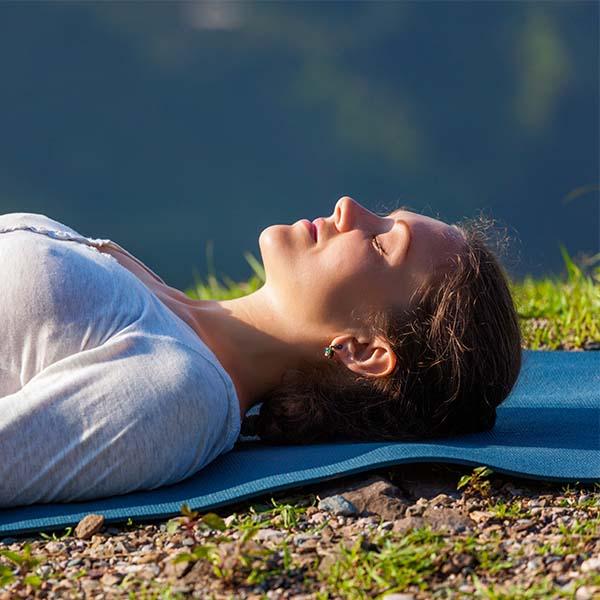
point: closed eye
(378, 245)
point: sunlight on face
(359, 259)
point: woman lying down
(396, 327)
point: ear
(370, 357)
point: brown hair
(458, 352)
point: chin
(268, 239)
(271, 246)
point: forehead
(432, 242)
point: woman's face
(358, 261)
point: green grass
(560, 312)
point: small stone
(269, 535)
(523, 524)
(480, 516)
(88, 526)
(591, 564)
(416, 510)
(188, 541)
(408, 523)
(448, 519)
(397, 596)
(148, 572)
(318, 518)
(177, 570)
(571, 558)
(583, 593)
(534, 564)
(95, 573)
(338, 505)
(110, 579)
(148, 557)
(55, 547)
(441, 499)
(74, 562)
(374, 496)
(89, 585)
(307, 546)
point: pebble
(303, 537)
(534, 564)
(188, 541)
(583, 593)
(88, 526)
(338, 505)
(591, 564)
(55, 547)
(146, 552)
(441, 499)
(90, 584)
(416, 510)
(44, 570)
(269, 535)
(523, 524)
(110, 579)
(74, 562)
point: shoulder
(182, 391)
(35, 221)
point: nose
(342, 213)
(347, 212)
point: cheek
(346, 277)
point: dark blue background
(166, 125)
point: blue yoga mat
(548, 429)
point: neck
(252, 340)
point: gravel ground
(508, 532)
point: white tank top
(103, 389)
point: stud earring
(329, 350)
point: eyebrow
(394, 214)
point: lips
(311, 228)
(316, 229)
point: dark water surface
(166, 125)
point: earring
(329, 350)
